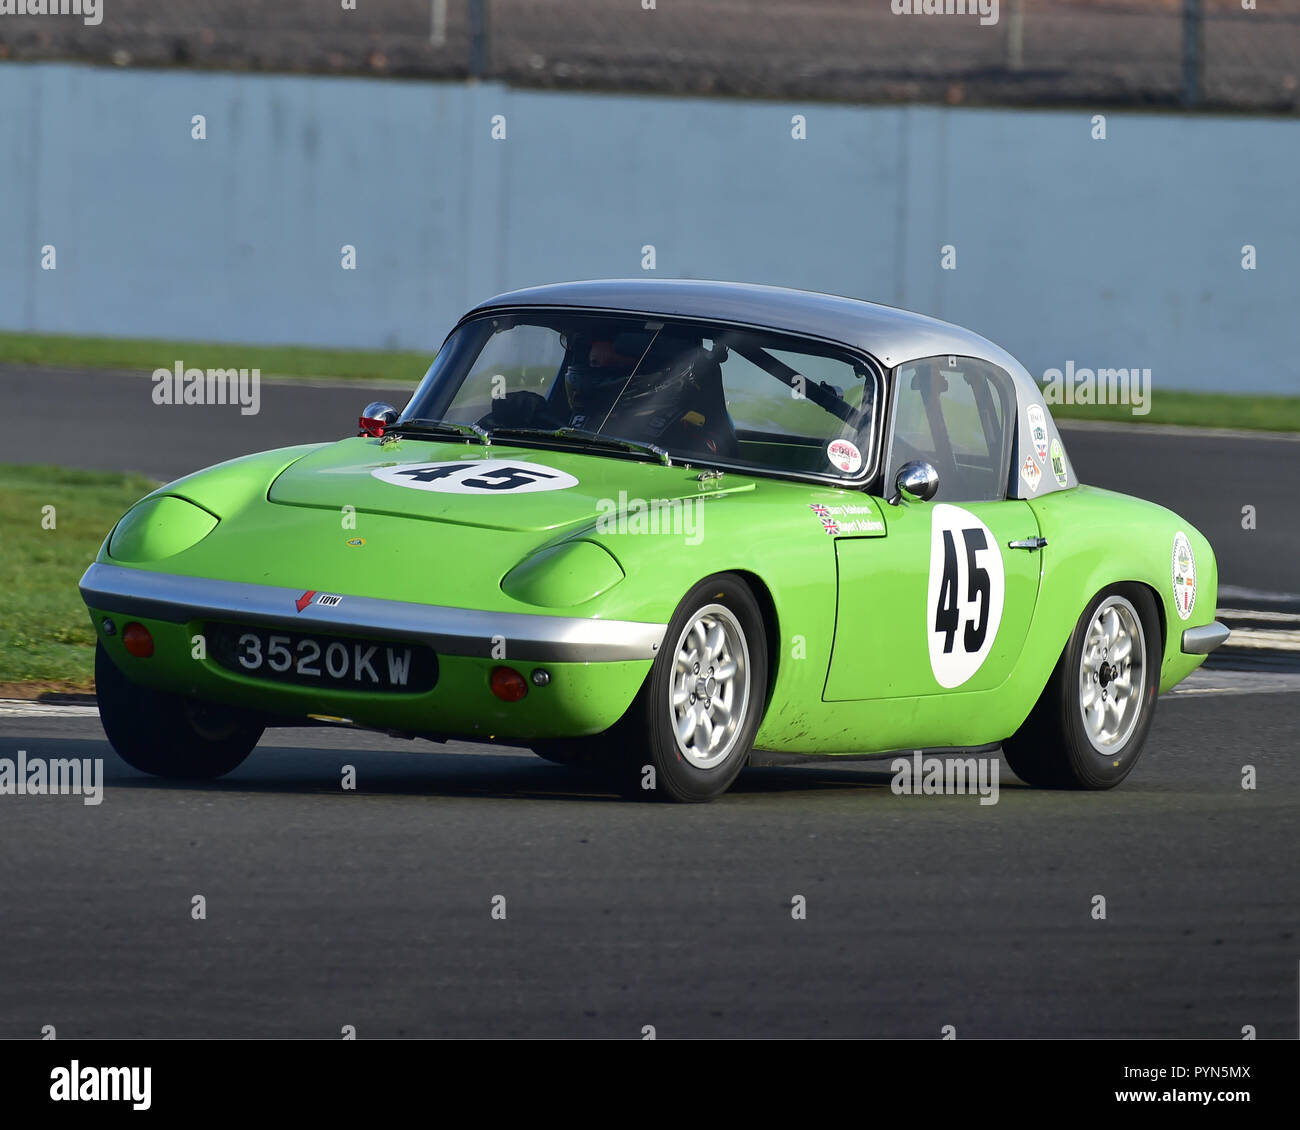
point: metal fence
(1213, 54)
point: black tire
(646, 735)
(166, 735)
(1055, 748)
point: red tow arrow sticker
(305, 599)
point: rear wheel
(1089, 725)
(166, 735)
(691, 729)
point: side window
(758, 402)
(955, 413)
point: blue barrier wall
(1124, 252)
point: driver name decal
(478, 476)
(967, 588)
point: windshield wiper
(444, 428)
(593, 438)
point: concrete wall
(1123, 252)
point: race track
(372, 907)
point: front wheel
(1090, 723)
(166, 735)
(692, 727)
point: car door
(942, 601)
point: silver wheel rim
(710, 686)
(1112, 675)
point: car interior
(956, 414)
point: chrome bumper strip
(449, 631)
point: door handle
(1027, 543)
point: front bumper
(596, 667)
(449, 631)
(1203, 640)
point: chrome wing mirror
(916, 481)
(376, 417)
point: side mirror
(376, 417)
(916, 481)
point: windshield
(708, 394)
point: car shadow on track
(496, 774)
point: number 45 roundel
(967, 586)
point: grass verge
(45, 634)
(1197, 409)
(273, 360)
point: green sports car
(656, 528)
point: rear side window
(956, 414)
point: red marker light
(507, 684)
(137, 640)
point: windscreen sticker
(844, 455)
(966, 594)
(1038, 430)
(1184, 568)
(1058, 463)
(1031, 473)
(480, 476)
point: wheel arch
(771, 627)
(1161, 615)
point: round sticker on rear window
(844, 455)
(478, 476)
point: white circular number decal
(967, 586)
(478, 476)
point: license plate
(318, 660)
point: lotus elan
(659, 529)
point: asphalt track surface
(372, 907)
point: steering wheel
(522, 409)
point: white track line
(27, 708)
(1202, 682)
(1263, 640)
(1260, 614)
